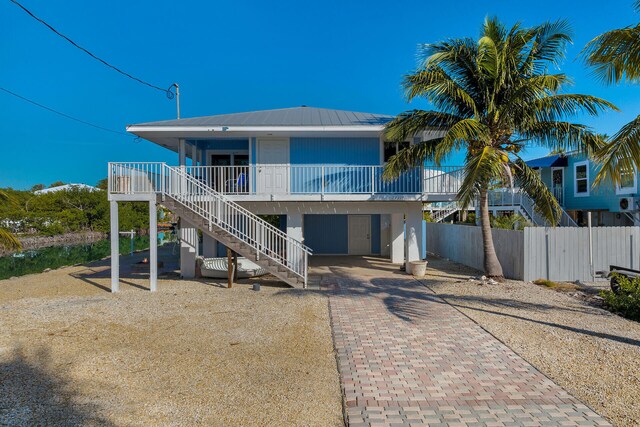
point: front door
(359, 234)
(273, 166)
(557, 184)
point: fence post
(322, 173)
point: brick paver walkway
(408, 358)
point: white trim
(629, 190)
(575, 179)
(351, 128)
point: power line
(168, 91)
(63, 114)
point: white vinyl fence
(560, 253)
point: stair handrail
(448, 209)
(212, 206)
(525, 203)
(236, 205)
(265, 235)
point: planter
(418, 268)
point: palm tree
(615, 56)
(493, 97)
(8, 240)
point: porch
(288, 182)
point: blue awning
(557, 160)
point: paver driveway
(408, 358)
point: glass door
(221, 163)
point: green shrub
(510, 222)
(626, 302)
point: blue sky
(231, 56)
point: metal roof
(297, 116)
(556, 160)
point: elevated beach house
(317, 174)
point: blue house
(571, 176)
(317, 172)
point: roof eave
(259, 129)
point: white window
(581, 179)
(628, 183)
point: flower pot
(418, 268)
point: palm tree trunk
(492, 267)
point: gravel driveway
(194, 353)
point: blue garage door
(329, 234)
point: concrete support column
(385, 235)
(115, 247)
(397, 238)
(182, 152)
(209, 247)
(153, 246)
(188, 249)
(194, 155)
(294, 230)
(413, 232)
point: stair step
(236, 244)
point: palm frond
(543, 200)
(461, 134)
(561, 136)
(479, 171)
(615, 55)
(412, 122)
(488, 61)
(557, 107)
(548, 46)
(9, 241)
(441, 90)
(620, 155)
(412, 156)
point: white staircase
(440, 214)
(519, 201)
(217, 216)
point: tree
(615, 57)
(56, 184)
(494, 96)
(7, 239)
(103, 184)
(37, 187)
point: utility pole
(170, 95)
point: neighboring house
(66, 187)
(570, 177)
(316, 172)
